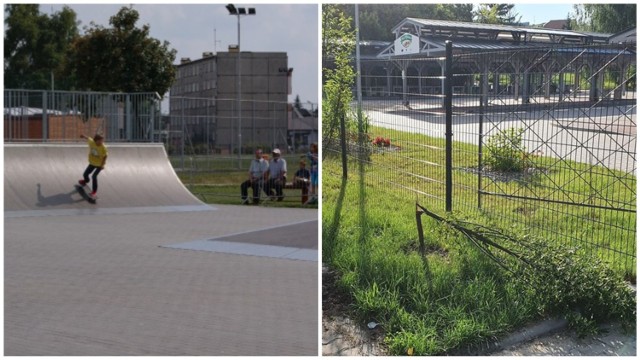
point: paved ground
(103, 285)
(613, 342)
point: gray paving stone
(101, 285)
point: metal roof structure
(467, 36)
(624, 37)
(459, 29)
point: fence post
(448, 94)
(343, 144)
(127, 115)
(183, 134)
(483, 84)
(420, 230)
(45, 118)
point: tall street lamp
(239, 12)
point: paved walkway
(103, 285)
(613, 342)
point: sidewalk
(611, 342)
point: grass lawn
(456, 296)
(418, 169)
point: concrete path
(612, 342)
(104, 285)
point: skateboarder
(97, 160)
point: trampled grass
(456, 296)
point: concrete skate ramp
(42, 177)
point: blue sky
(541, 13)
(292, 28)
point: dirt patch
(341, 336)
(429, 249)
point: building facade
(205, 97)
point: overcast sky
(292, 28)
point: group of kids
(271, 176)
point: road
(600, 136)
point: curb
(545, 327)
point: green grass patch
(418, 168)
(455, 296)
(216, 180)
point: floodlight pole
(238, 12)
(239, 68)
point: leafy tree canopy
(338, 40)
(36, 46)
(496, 14)
(123, 57)
(604, 18)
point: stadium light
(239, 12)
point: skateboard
(81, 190)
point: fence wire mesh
(33, 115)
(543, 140)
(208, 143)
(203, 135)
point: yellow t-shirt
(96, 153)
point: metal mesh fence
(32, 115)
(209, 143)
(543, 140)
(212, 147)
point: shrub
(579, 286)
(505, 152)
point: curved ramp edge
(42, 177)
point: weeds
(505, 152)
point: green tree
(604, 18)
(496, 14)
(338, 42)
(123, 57)
(37, 46)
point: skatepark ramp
(41, 176)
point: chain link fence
(212, 147)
